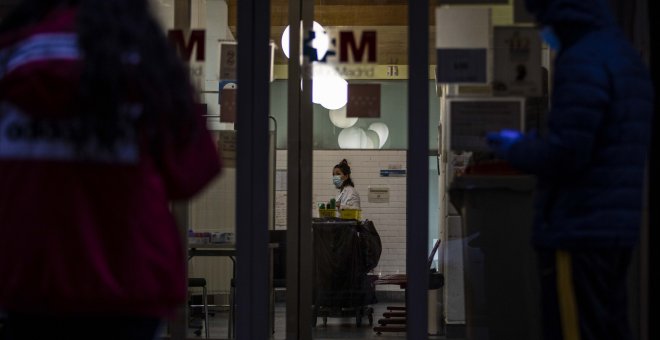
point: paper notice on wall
(461, 66)
(227, 147)
(280, 180)
(280, 208)
(517, 61)
(462, 41)
(228, 54)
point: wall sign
(189, 44)
(227, 147)
(346, 47)
(461, 65)
(196, 42)
(517, 61)
(228, 60)
(463, 38)
(393, 173)
(379, 195)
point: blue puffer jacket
(590, 165)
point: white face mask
(337, 181)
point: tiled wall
(389, 218)
(214, 209)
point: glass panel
(485, 64)
(214, 210)
(211, 214)
(360, 115)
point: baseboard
(395, 296)
(455, 331)
(392, 296)
(381, 295)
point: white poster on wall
(281, 180)
(227, 147)
(228, 60)
(462, 41)
(517, 61)
(280, 208)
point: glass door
(352, 79)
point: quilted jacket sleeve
(580, 101)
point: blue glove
(501, 142)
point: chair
(200, 282)
(279, 257)
(395, 319)
(279, 266)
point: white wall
(214, 209)
(389, 218)
(164, 12)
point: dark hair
(346, 170)
(109, 33)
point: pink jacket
(84, 235)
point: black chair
(395, 319)
(200, 282)
(279, 258)
(279, 266)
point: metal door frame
(253, 262)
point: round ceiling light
(373, 141)
(328, 88)
(383, 132)
(352, 138)
(339, 119)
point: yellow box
(332, 213)
(350, 214)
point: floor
(337, 328)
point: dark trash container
(501, 278)
(344, 253)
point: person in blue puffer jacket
(590, 169)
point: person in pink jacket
(99, 132)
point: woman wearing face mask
(348, 197)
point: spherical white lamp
(321, 40)
(352, 138)
(373, 141)
(339, 119)
(383, 132)
(328, 88)
(333, 92)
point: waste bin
(436, 281)
(344, 253)
(501, 277)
